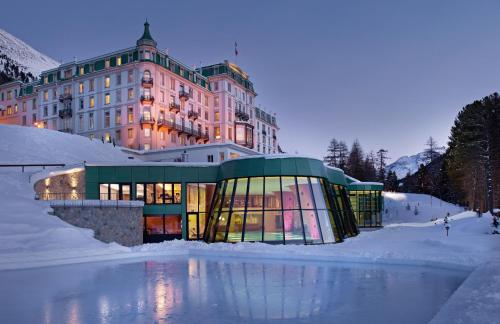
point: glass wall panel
(326, 226)
(202, 219)
(173, 224)
(235, 226)
(211, 229)
(154, 225)
(273, 226)
(103, 191)
(177, 193)
(221, 227)
(293, 227)
(205, 198)
(150, 198)
(168, 195)
(311, 228)
(192, 226)
(125, 192)
(240, 194)
(114, 193)
(192, 197)
(272, 198)
(226, 203)
(253, 226)
(139, 191)
(255, 193)
(306, 200)
(159, 193)
(290, 198)
(320, 197)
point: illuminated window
(107, 82)
(217, 132)
(106, 63)
(130, 115)
(91, 102)
(147, 132)
(119, 60)
(107, 99)
(217, 116)
(80, 87)
(130, 93)
(45, 95)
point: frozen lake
(215, 290)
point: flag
(235, 49)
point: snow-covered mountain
(406, 164)
(18, 60)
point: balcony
(66, 130)
(274, 136)
(147, 100)
(264, 132)
(147, 120)
(65, 113)
(174, 107)
(193, 115)
(241, 115)
(184, 95)
(147, 82)
(65, 97)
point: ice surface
(224, 290)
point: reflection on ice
(223, 290)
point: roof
(146, 38)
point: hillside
(20, 61)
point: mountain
(20, 61)
(406, 164)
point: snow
(406, 164)
(30, 237)
(28, 58)
(429, 208)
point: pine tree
(332, 156)
(355, 161)
(432, 151)
(381, 164)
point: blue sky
(390, 73)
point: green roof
(146, 38)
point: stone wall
(120, 223)
(70, 185)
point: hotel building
(143, 99)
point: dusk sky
(390, 73)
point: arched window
(147, 75)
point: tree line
(357, 164)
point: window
(54, 109)
(114, 191)
(118, 117)
(130, 133)
(80, 88)
(217, 117)
(107, 119)
(54, 94)
(107, 81)
(216, 86)
(80, 103)
(168, 226)
(45, 111)
(130, 76)
(91, 102)
(16, 108)
(172, 84)
(80, 122)
(130, 93)
(159, 193)
(147, 132)
(210, 158)
(130, 115)
(230, 133)
(106, 64)
(107, 99)
(91, 120)
(118, 95)
(118, 79)
(45, 95)
(91, 85)
(199, 198)
(217, 132)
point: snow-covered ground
(30, 237)
(428, 208)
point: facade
(367, 203)
(279, 199)
(140, 98)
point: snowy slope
(26, 57)
(20, 144)
(428, 208)
(27, 231)
(406, 164)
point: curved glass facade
(274, 209)
(367, 207)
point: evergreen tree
(369, 171)
(381, 164)
(355, 162)
(332, 157)
(343, 155)
(432, 151)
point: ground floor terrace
(279, 200)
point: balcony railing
(181, 129)
(147, 99)
(66, 130)
(193, 115)
(65, 97)
(174, 107)
(66, 113)
(264, 132)
(242, 115)
(147, 82)
(147, 120)
(183, 95)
